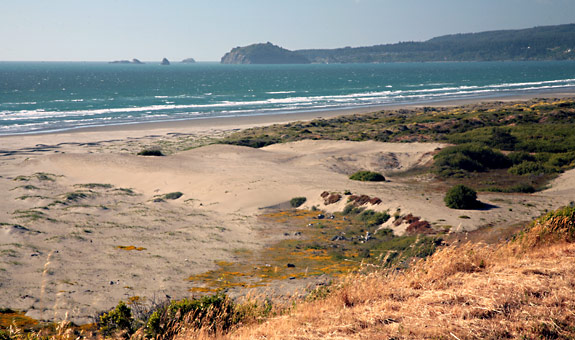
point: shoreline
(134, 129)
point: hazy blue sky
(205, 30)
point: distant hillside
(539, 43)
(263, 54)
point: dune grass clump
(367, 176)
(94, 186)
(461, 197)
(74, 196)
(297, 201)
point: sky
(105, 30)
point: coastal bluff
(267, 53)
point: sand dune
(70, 235)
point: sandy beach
(85, 222)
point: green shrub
(213, 312)
(461, 197)
(372, 218)
(529, 168)
(117, 320)
(520, 157)
(501, 139)
(469, 157)
(297, 201)
(562, 160)
(173, 195)
(367, 176)
(151, 152)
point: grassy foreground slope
(523, 289)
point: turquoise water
(37, 97)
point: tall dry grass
(524, 289)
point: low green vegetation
(367, 176)
(297, 201)
(369, 217)
(462, 159)
(461, 197)
(504, 147)
(94, 186)
(118, 320)
(164, 320)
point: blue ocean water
(36, 97)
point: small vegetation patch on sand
(297, 201)
(173, 195)
(367, 176)
(40, 176)
(130, 248)
(169, 196)
(94, 186)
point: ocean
(49, 96)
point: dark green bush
(117, 320)
(562, 160)
(297, 201)
(151, 152)
(173, 195)
(520, 157)
(367, 176)
(501, 139)
(461, 197)
(522, 188)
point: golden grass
(521, 290)
(524, 289)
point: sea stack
(189, 61)
(165, 61)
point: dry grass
(524, 289)
(521, 290)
